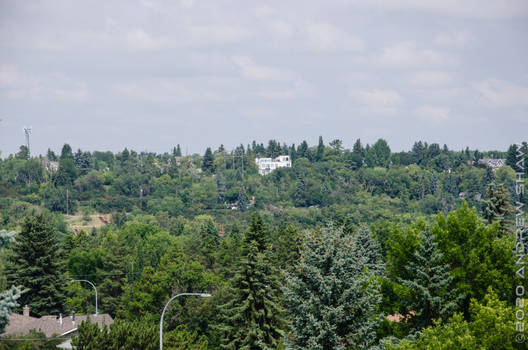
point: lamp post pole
(203, 295)
(96, 310)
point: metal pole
(96, 310)
(203, 295)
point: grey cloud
(205, 73)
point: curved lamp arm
(203, 295)
(96, 310)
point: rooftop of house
(50, 325)
(493, 163)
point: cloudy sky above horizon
(148, 74)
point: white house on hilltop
(267, 165)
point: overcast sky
(148, 74)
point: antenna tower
(27, 132)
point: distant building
(267, 165)
(52, 166)
(494, 164)
(52, 325)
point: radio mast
(27, 132)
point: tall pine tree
(368, 248)
(431, 287)
(208, 161)
(8, 298)
(498, 207)
(332, 297)
(242, 201)
(67, 172)
(253, 318)
(36, 265)
(320, 150)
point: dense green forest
(313, 256)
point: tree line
(385, 255)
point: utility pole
(242, 156)
(141, 198)
(67, 202)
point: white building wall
(267, 165)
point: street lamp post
(96, 310)
(203, 295)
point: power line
(107, 274)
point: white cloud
(215, 34)
(140, 40)
(453, 39)
(280, 29)
(500, 93)
(254, 71)
(264, 11)
(159, 91)
(56, 86)
(432, 113)
(296, 89)
(274, 83)
(377, 97)
(406, 54)
(187, 3)
(8, 74)
(430, 78)
(325, 37)
(171, 91)
(259, 112)
(378, 101)
(466, 8)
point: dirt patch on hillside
(86, 223)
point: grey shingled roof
(50, 325)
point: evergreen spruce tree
(8, 298)
(209, 242)
(51, 155)
(8, 301)
(320, 150)
(489, 177)
(432, 293)
(83, 162)
(368, 248)
(434, 183)
(252, 319)
(113, 264)
(302, 149)
(36, 265)
(67, 172)
(498, 207)
(358, 148)
(242, 201)
(451, 185)
(511, 156)
(286, 245)
(208, 161)
(355, 158)
(176, 151)
(300, 189)
(293, 153)
(332, 297)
